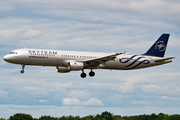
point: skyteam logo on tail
(160, 46)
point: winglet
(120, 53)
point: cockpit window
(13, 53)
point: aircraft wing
(102, 60)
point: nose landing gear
(22, 71)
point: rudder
(159, 47)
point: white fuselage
(59, 58)
(66, 61)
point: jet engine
(63, 69)
(74, 66)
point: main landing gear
(22, 71)
(91, 74)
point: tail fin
(159, 47)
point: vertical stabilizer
(159, 47)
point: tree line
(103, 116)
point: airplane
(66, 61)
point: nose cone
(6, 58)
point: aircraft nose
(6, 58)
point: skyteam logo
(160, 46)
(134, 61)
(42, 52)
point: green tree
(107, 115)
(63, 118)
(117, 117)
(77, 118)
(128, 118)
(153, 116)
(90, 117)
(71, 117)
(47, 118)
(21, 116)
(97, 117)
(174, 117)
(2, 119)
(142, 117)
(162, 116)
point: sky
(94, 26)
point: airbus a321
(66, 61)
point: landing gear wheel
(83, 75)
(22, 71)
(23, 66)
(91, 74)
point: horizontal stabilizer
(160, 60)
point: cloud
(128, 86)
(79, 94)
(7, 33)
(139, 102)
(99, 26)
(71, 101)
(3, 93)
(74, 101)
(174, 41)
(92, 101)
(43, 101)
(29, 34)
(151, 88)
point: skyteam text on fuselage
(66, 61)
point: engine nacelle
(76, 66)
(63, 69)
